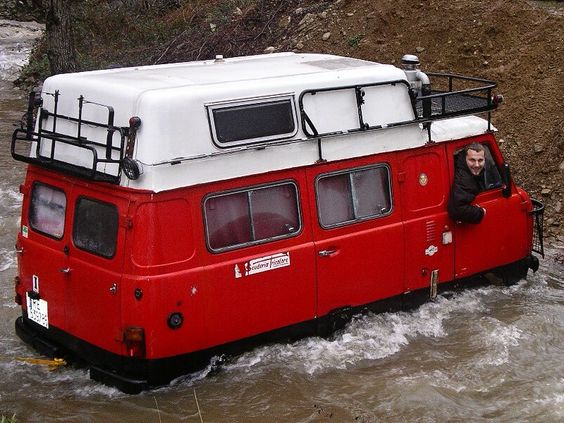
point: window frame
(351, 194)
(47, 234)
(490, 158)
(247, 190)
(95, 200)
(211, 107)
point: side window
(247, 122)
(95, 227)
(47, 210)
(252, 216)
(354, 195)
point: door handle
(326, 253)
(65, 270)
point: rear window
(252, 216)
(47, 210)
(95, 227)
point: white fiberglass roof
(278, 65)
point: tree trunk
(60, 45)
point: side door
(93, 275)
(424, 184)
(259, 268)
(500, 238)
(358, 233)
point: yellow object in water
(52, 364)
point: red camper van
(176, 212)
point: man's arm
(460, 209)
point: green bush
(354, 41)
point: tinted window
(252, 121)
(47, 210)
(353, 195)
(251, 216)
(95, 227)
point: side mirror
(506, 179)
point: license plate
(37, 311)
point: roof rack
(43, 145)
(104, 158)
(475, 96)
(448, 102)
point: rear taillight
(134, 338)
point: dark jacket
(464, 189)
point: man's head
(475, 158)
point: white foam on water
(51, 384)
(551, 398)
(497, 339)
(461, 382)
(371, 337)
(368, 337)
(10, 198)
(7, 259)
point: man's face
(475, 161)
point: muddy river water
(486, 354)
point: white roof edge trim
(459, 128)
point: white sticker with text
(431, 250)
(263, 264)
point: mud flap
(433, 284)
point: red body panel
(366, 263)
(425, 184)
(238, 307)
(162, 264)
